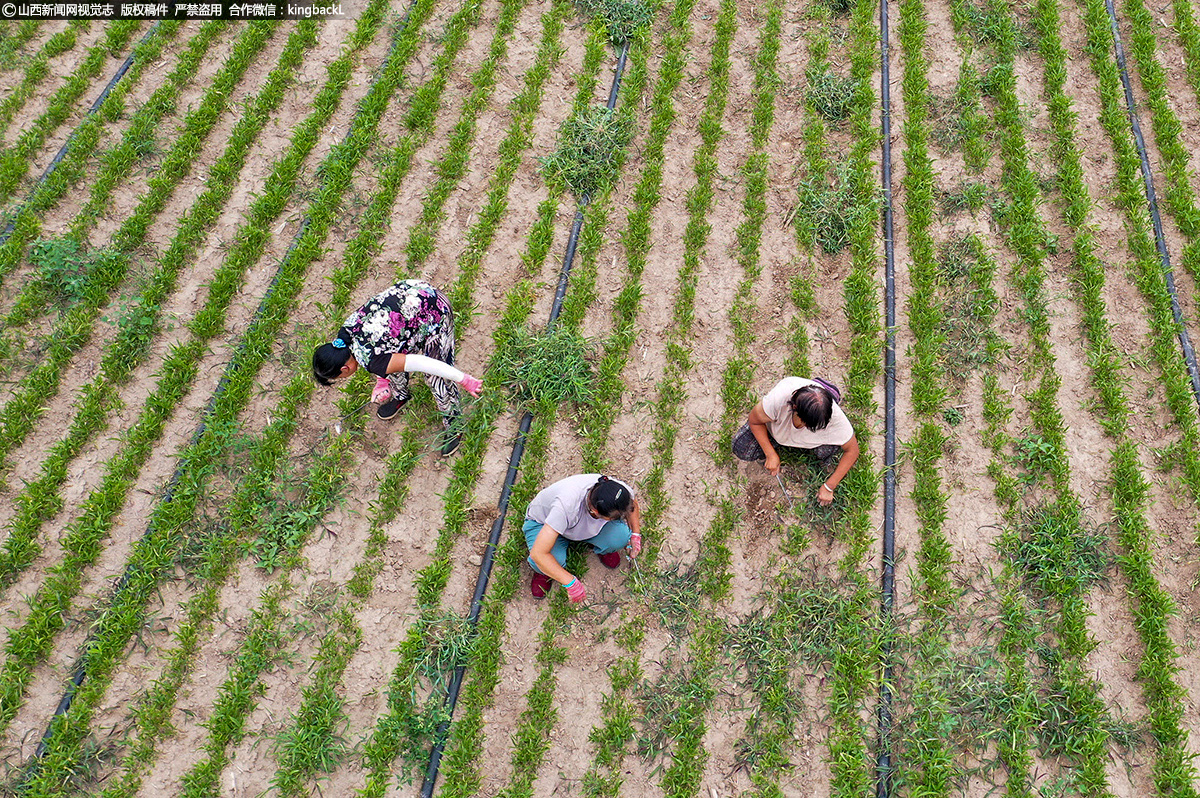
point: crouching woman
(600, 511)
(803, 414)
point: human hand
(471, 385)
(825, 495)
(635, 545)
(772, 463)
(382, 392)
(576, 591)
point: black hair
(328, 360)
(814, 405)
(611, 499)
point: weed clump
(548, 367)
(443, 643)
(591, 149)
(830, 94)
(1056, 553)
(621, 18)
(829, 209)
(67, 271)
(968, 305)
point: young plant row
(599, 418)
(461, 765)
(537, 721)
(153, 555)
(84, 142)
(852, 673)
(929, 760)
(1130, 197)
(37, 69)
(825, 205)
(87, 532)
(15, 160)
(1189, 38)
(1046, 545)
(516, 141)
(738, 374)
(407, 708)
(452, 165)
(117, 163)
(1179, 199)
(616, 731)
(40, 500)
(276, 547)
(1174, 770)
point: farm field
(220, 578)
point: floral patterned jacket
(398, 320)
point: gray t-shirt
(563, 507)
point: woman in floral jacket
(408, 327)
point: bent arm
(849, 458)
(759, 421)
(634, 519)
(539, 552)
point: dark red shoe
(611, 560)
(540, 585)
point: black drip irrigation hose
(234, 364)
(1189, 354)
(66, 147)
(514, 463)
(884, 769)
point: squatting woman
(803, 414)
(586, 507)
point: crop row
(37, 69)
(14, 41)
(323, 703)
(531, 740)
(40, 500)
(408, 708)
(616, 730)
(1173, 769)
(15, 161)
(25, 224)
(930, 759)
(154, 554)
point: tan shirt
(775, 405)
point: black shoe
(451, 435)
(390, 408)
(450, 442)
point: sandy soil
(695, 485)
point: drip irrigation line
(883, 773)
(231, 369)
(66, 147)
(510, 477)
(1160, 241)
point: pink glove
(471, 385)
(382, 392)
(576, 591)
(635, 544)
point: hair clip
(338, 343)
